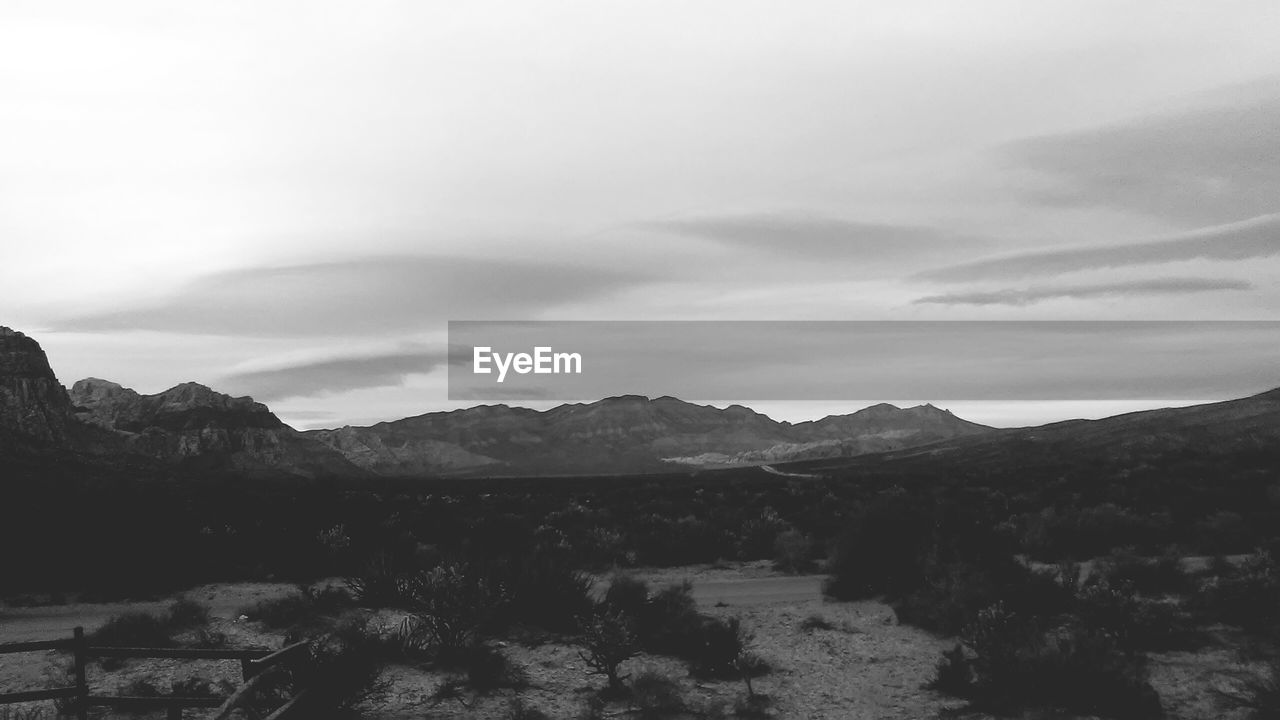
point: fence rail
(256, 667)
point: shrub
(793, 552)
(449, 608)
(723, 651)
(628, 595)
(670, 621)
(607, 641)
(379, 585)
(185, 613)
(953, 675)
(1155, 576)
(655, 695)
(517, 710)
(1017, 664)
(1248, 597)
(134, 629)
(816, 622)
(290, 610)
(345, 668)
(487, 668)
(546, 591)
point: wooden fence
(256, 666)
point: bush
(1017, 664)
(300, 610)
(793, 552)
(134, 629)
(486, 669)
(628, 595)
(380, 583)
(670, 621)
(1157, 576)
(517, 710)
(185, 614)
(1248, 597)
(345, 668)
(655, 695)
(546, 591)
(816, 622)
(449, 608)
(608, 641)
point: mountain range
(194, 427)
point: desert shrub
(379, 583)
(206, 638)
(1247, 597)
(345, 668)
(754, 707)
(283, 612)
(879, 551)
(953, 675)
(593, 708)
(487, 668)
(628, 595)
(654, 695)
(134, 629)
(793, 552)
(1018, 663)
(301, 609)
(1154, 576)
(607, 641)
(547, 591)
(670, 621)
(816, 622)
(518, 710)
(722, 651)
(949, 595)
(449, 608)
(185, 614)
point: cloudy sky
(292, 199)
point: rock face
(193, 424)
(627, 434)
(32, 402)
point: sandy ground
(868, 666)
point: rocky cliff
(32, 402)
(193, 424)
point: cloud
(363, 296)
(1209, 164)
(1156, 286)
(332, 375)
(813, 236)
(1255, 238)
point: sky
(292, 199)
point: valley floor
(866, 666)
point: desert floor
(868, 666)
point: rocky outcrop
(32, 402)
(193, 424)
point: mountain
(626, 434)
(33, 404)
(193, 425)
(1213, 444)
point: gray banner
(861, 360)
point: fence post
(82, 685)
(247, 669)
